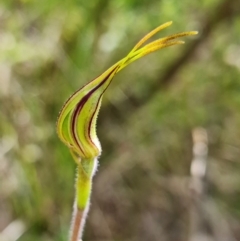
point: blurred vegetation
(48, 49)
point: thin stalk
(85, 171)
(76, 225)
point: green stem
(85, 172)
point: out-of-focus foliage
(48, 49)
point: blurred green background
(50, 48)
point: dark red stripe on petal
(90, 123)
(80, 106)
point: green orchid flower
(76, 125)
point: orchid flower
(76, 125)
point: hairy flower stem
(85, 172)
(76, 225)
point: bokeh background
(146, 187)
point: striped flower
(76, 124)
